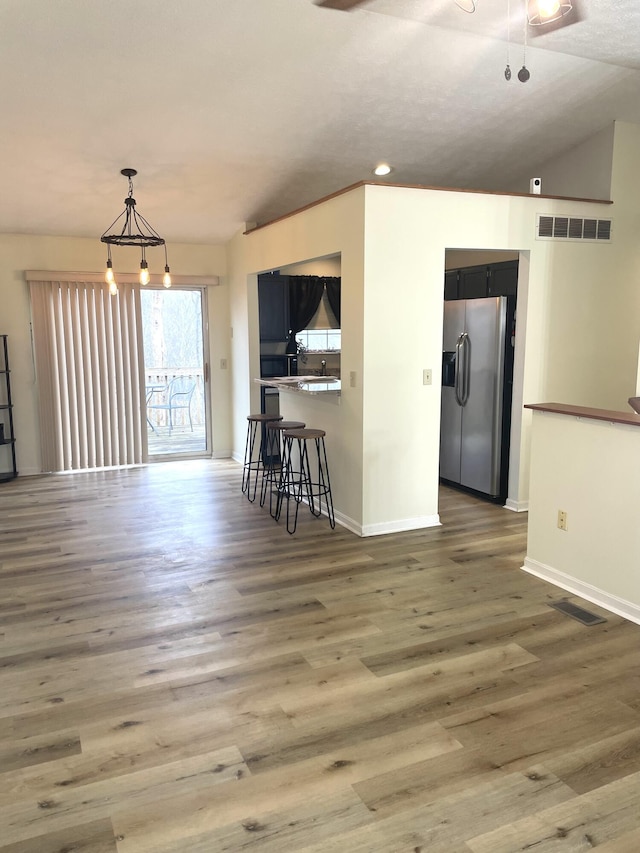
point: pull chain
(523, 74)
(507, 70)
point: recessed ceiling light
(382, 169)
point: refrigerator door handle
(459, 372)
(465, 367)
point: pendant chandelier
(135, 231)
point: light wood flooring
(180, 440)
(179, 675)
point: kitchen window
(320, 340)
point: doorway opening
(299, 310)
(175, 372)
(478, 371)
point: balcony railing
(156, 384)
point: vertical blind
(89, 369)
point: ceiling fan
(542, 15)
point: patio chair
(150, 390)
(178, 394)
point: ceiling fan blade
(342, 5)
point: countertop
(316, 385)
(629, 418)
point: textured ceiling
(236, 111)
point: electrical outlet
(352, 379)
(562, 519)
(426, 376)
(223, 364)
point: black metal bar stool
(254, 464)
(303, 483)
(273, 460)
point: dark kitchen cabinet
(451, 284)
(472, 283)
(273, 306)
(8, 468)
(503, 279)
(477, 282)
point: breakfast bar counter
(317, 402)
(328, 386)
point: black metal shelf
(6, 420)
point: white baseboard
(222, 454)
(386, 527)
(401, 525)
(516, 506)
(237, 458)
(345, 521)
(620, 606)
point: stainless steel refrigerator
(477, 370)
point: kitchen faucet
(323, 370)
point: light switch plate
(427, 377)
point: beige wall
(321, 266)
(623, 317)
(583, 171)
(21, 252)
(593, 325)
(586, 468)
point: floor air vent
(572, 228)
(578, 613)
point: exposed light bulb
(144, 272)
(108, 276)
(540, 12)
(548, 8)
(113, 288)
(166, 278)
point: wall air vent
(572, 228)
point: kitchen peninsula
(584, 464)
(317, 402)
(316, 385)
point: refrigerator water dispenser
(448, 368)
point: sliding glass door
(175, 371)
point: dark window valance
(305, 295)
(333, 287)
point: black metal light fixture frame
(136, 231)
